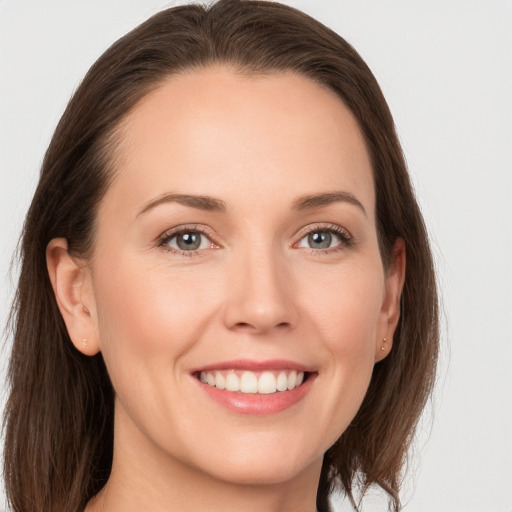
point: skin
(256, 289)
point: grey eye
(320, 239)
(189, 241)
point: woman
(227, 296)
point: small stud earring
(384, 340)
(84, 342)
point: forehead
(216, 131)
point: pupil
(189, 241)
(320, 240)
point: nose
(259, 296)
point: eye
(187, 240)
(325, 238)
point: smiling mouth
(249, 382)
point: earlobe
(390, 312)
(73, 293)
(383, 348)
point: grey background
(446, 70)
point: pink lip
(257, 404)
(252, 365)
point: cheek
(345, 317)
(148, 316)
(345, 303)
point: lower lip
(255, 403)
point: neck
(144, 478)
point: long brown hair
(59, 415)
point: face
(237, 248)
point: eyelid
(347, 239)
(167, 235)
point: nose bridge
(259, 291)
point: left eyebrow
(206, 203)
(310, 201)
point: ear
(390, 311)
(72, 286)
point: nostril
(244, 325)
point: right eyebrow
(206, 203)
(311, 201)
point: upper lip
(253, 365)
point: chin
(268, 460)
(268, 472)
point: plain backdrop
(446, 70)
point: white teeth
(264, 383)
(220, 381)
(249, 383)
(282, 382)
(292, 379)
(232, 382)
(267, 383)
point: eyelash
(346, 239)
(167, 236)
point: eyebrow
(311, 201)
(212, 204)
(207, 203)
